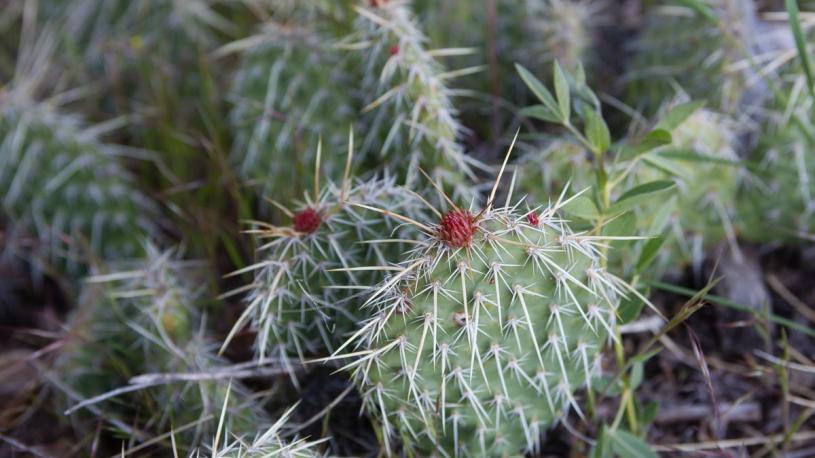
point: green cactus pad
(302, 301)
(290, 91)
(63, 185)
(478, 344)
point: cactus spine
(477, 344)
(267, 444)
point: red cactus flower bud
(394, 50)
(533, 219)
(457, 228)
(307, 221)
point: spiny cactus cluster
(478, 343)
(309, 276)
(777, 201)
(563, 31)
(113, 33)
(389, 279)
(413, 107)
(148, 320)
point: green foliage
(703, 163)
(469, 337)
(688, 159)
(478, 343)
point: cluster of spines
(563, 31)
(410, 392)
(777, 201)
(308, 276)
(269, 443)
(101, 29)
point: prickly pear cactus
(147, 321)
(478, 343)
(290, 91)
(413, 122)
(304, 299)
(61, 184)
(703, 162)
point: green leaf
(692, 156)
(630, 309)
(800, 43)
(648, 412)
(582, 207)
(655, 139)
(602, 449)
(678, 115)
(649, 252)
(538, 89)
(540, 112)
(621, 225)
(703, 9)
(640, 194)
(627, 445)
(638, 366)
(562, 92)
(607, 386)
(637, 371)
(597, 132)
(580, 74)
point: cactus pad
(478, 344)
